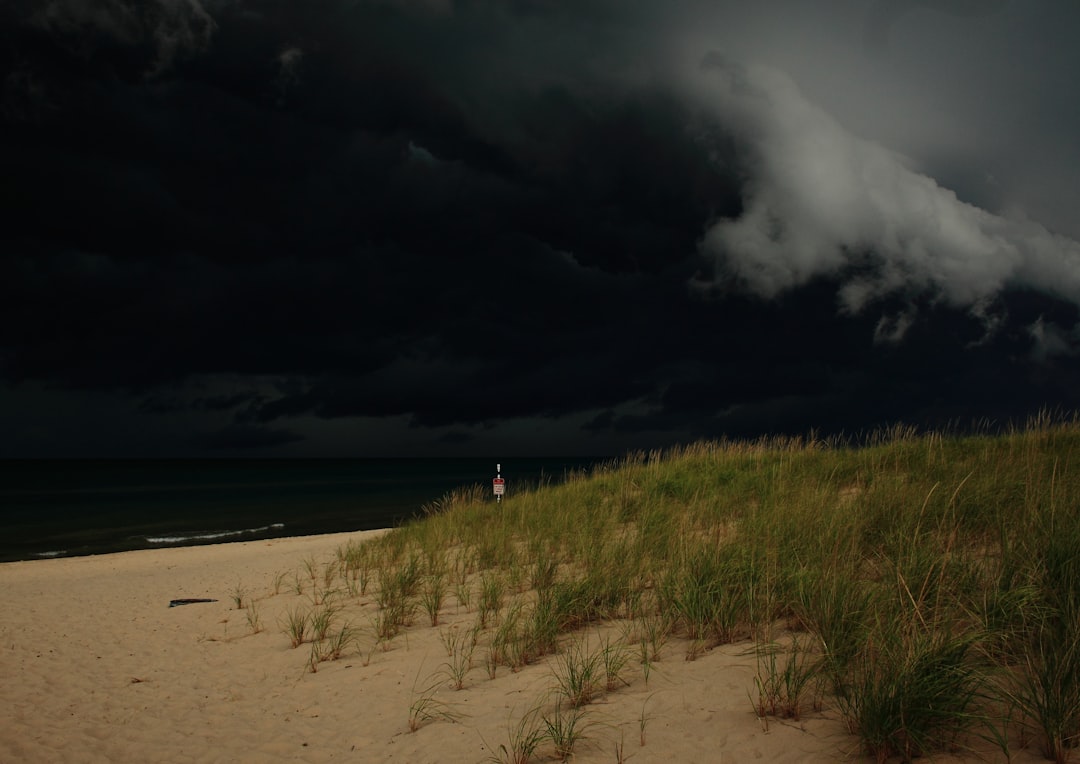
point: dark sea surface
(63, 508)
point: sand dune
(95, 666)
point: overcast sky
(530, 227)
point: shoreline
(326, 540)
(65, 508)
(97, 667)
(194, 541)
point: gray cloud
(885, 14)
(967, 89)
(822, 202)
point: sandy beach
(95, 666)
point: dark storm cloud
(244, 437)
(455, 437)
(462, 214)
(803, 368)
(156, 404)
(159, 31)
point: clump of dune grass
(279, 581)
(295, 625)
(783, 678)
(354, 563)
(425, 707)
(912, 695)
(566, 727)
(254, 621)
(613, 656)
(238, 594)
(396, 597)
(432, 593)
(579, 673)
(460, 645)
(643, 721)
(387, 623)
(492, 591)
(330, 574)
(1046, 689)
(653, 632)
(332, 647)
(322, 619)
(525, 738)
(508, 642)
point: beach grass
(296, 625)
(525, 738)
(923, 586)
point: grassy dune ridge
(924, 587)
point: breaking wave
(188, 537)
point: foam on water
(185, 538)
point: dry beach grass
(97, 667)
(786, 600)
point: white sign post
(498, 484)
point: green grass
(238, 594)
(525, 738)
(566, 728)
(460, 646)
(432, 595)
(783, 682)
(254, 621)
(332, 647)
(579, 673)
(926, 586)
(296, 625)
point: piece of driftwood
(174, 603)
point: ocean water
(54, 508)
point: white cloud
(820, 201)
